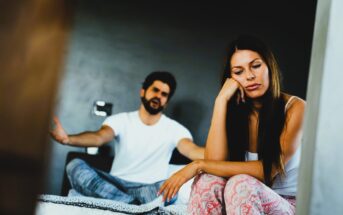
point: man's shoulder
(121, 116)
(124, 114)
(171, 121)
(176, 128)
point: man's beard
(149, 108)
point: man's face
(155, 98)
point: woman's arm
(216, 144)
(230, 168)
(291, 135)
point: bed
(82, 205)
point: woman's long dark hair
(271, 116)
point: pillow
(185, 190)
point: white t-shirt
(142, 152)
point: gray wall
(114, 45)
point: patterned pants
(241, 194)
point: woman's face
(251, 72)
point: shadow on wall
(190, 113)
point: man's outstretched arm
(85, 139)
(189, 149)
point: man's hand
(172, 185)
(58, 133)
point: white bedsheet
(81, 205)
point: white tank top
(284, 185)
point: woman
(253, 147)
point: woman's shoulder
(293, 103)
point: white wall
(321, 173)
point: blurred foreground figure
(33, 35)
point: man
(146, 139)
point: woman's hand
(228, 90)
(172, 185)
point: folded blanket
(52, 204)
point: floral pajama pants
(241, 194)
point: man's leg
(87, 181)
(142, 192)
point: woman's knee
(241, 183)
(207, 195)
(242, 178)
(204, 181)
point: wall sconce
(102, 108)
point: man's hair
(165, 77)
